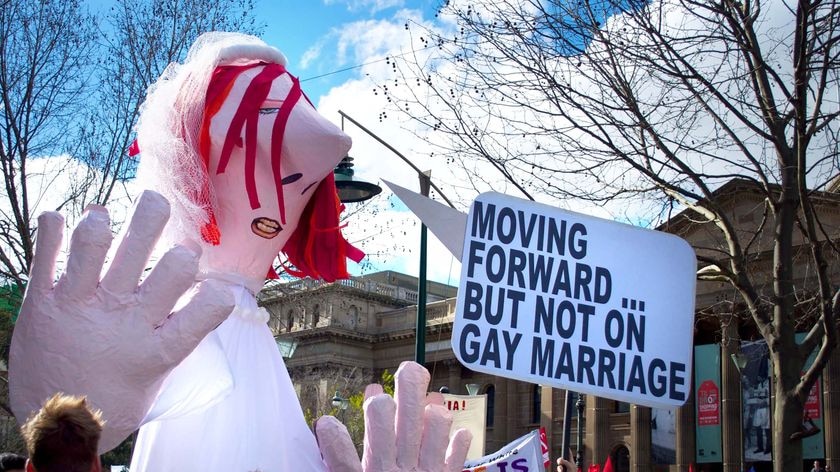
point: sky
(339, 50)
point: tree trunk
(787, 418)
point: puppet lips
(265, 227)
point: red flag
(608, 467)
(691, 467)
(544, 446)
(594, 468)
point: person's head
(11, 462)
(243, 157)
(63, 436)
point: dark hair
(11, 461)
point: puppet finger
(437, 421)
(456, 454)
(336, 446)
(412, 380)
(380, 453)
(173, 275)
(211, 302)
(373, 390)
(137, 243)
(435, 398)
(88, 247)
(47, 246)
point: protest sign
(557, 298)
(469, 412)
(521, 455)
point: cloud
(373, 6)
(65, 184)
(312, 54)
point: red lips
(265, 227)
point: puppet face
(259, 198)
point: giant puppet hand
(405, 434)
(108, 338)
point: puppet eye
(291, 179)
(268, 111)
(308, 187)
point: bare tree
(44, 50)
(139, 40)
(659, 104)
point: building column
(550, 415)
(596, 437)
(640, 448)
(453, 380)
(730, 397)
(514, 416)
(686, 434)
(831, 410)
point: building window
(621, 407)
(536, 403)
(621, 459)
(290, 320)
(316, 315)
(490, 391)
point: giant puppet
(243, 162)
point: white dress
(229, 406)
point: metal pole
(399, 154)
(579, 453)
(420, 346)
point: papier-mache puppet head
(245, 160)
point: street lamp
(350, 190)
(355, 191)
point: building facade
(346, 334)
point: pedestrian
(11, 462)
(63, 436)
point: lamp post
(349, 188)
(340, 404)
(740, 359)
(579, 452)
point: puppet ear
(316, 247)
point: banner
(813, 446)
(755, 401)
(521, 455)
(707, 397)
(663, 436)
(469, 412)
(558, 298)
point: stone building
(347, 333)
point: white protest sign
(558, 298)
(469, 412)
(523, 454)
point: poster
(707, 384)
(469, 412)
(813, 447)
(755, 402)
(663, 436)
(523, 454)
(557, 298)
